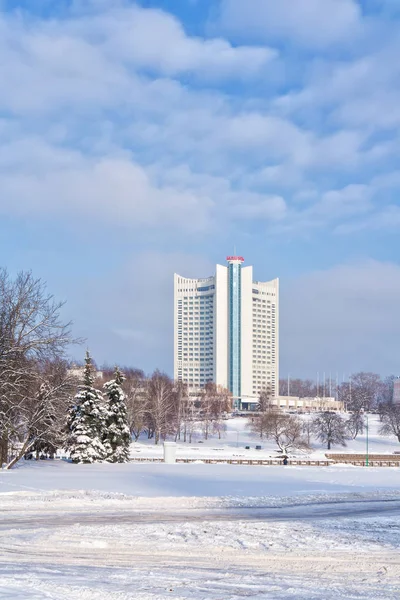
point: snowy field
(238, 436)
(201, 532)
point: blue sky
(142, 138)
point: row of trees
(363, 391)
(100, 426)
(159, 407)
(290, 432)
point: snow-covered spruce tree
(117, 437)
(86, 421)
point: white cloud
(163, 150)
(363, 92)
(346, 207)
(231, 203)
(312, 23)
(277, 140)
(38, 180)
(130, 36)
(156, 40)
(99, 60)
(278, 137)
(352, 200)
(386, 219)
(257, 206)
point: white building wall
(221, 326)
(275, 335)
(177, 328)
(266, 337)
(247, 333)
(194, 330)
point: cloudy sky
(142, 138)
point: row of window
(206, 289)
(196, 341)
(195, 372)
(193, 354)
(197, 338)
(198, 300)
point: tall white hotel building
(226, 330)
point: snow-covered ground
(238, 436)
(183, 480)
(148, 531)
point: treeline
(291, 432)
(362, 390)
(363, 393)
(159, 407)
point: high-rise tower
(227, 331)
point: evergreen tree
(117, 434)
(86, 421)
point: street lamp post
(367, 457)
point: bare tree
(31, 333)
(214, 402)
(391, 420)
(256, 425)
(189, 414)
(264, 400)
(303, 388)
(265, 405)
(385, 395)
(286, 430)
(219, 428)
(159, 404)
(330, 429)
(190, 428)
(135, 388)
(365, 391)
(181, 409)
(41, 414)
(307, 428)
(206, 403)
(355, 424)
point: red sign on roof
(239, 258)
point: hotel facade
(226, 330)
